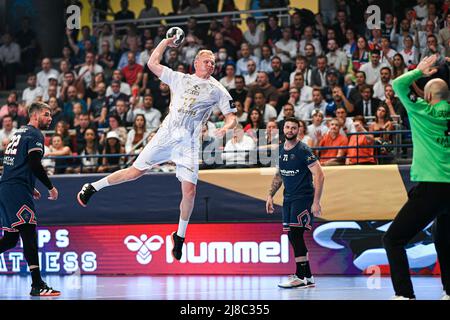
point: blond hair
(204, 52)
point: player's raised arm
(274, 187)
(155, 58)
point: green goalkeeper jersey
(430, 127)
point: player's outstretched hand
(36, 194)
(316, 209)
(53, 194)
(427, 65)
(269, 205)
(170, 41)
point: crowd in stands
(328, 70)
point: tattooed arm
(276, 184)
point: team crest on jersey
(285, 157)
(292, 156)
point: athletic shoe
(177, 243)
(43, 290)
(445, 297)
(401, 298)
(85, 194)
(296, 282)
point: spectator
(288, 112)
(310, 55)
(149, 45)
(131, 40)
(372, 69)
(254, 36)
(266, 59)
(228, 80)
(70, 80)
(53, 90)
(222, 60)
(271, 139)
(340, 27)
(405, 31)
(162, 99)
(124, 87)
(106, 39)
(230, 32)
(350, 46)
(444, 33)
(286, 48)
(279, 78)
(77, 111)
(336, 58)
(195, 31)
(387, 53)
(297, 29)
(241, 115)
(98, 109)
(86, 36)
(361, 54)
(238, 148)
(124, 114)
(239, 93)
(8, 129)
(332, 138)
(421, 9)
(399, 67)
(68, 55)
(57, 148)
(255, 122)
(319, 75)
(409, 52)
(137, 136)
(317, 103)
(433, 48)
(220, 43)
(114, 96)
(173, 59)
(132, 71)
(89, 69)
(10, 59)
(375, 40)
(160, 34)
(149, 11)
(382, 123)
(252, 74)
(124, 13)
(208, 149)
(134, 48)
(273, 32)
(345, 122)
(188, 51)
(368, 105)
(394, 105)
(362, 153)
(339, 100)
(80, 129)
(26, 39)
(12, 97)
(72, 98)
(112, 146)
(379, 87)
(195, 7)
(106, 59)
(57, 112)
(268, 112)
(305, 91)
(89, 147)
(308, 37)
(43, 75)
(114, 126)
(32, 92)
(62, 129)
(241, 65)
(18, 120)
(303, 134)
(354, 95)
(262, 84)
(152, 115)
(317, 129)
(431, 16)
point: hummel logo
(143, 246)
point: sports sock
(36, 276)
(100, 184)
(182, 226)
(303, 269)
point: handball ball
(178, 32)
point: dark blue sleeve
(308, 155)
(35, 142)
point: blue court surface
(88, 287)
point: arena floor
(90, 287)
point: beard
(290, 138)
(43, 125)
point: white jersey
(192, 101)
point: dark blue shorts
(297, 213)
(16, 207)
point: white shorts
(173, 146)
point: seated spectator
(279, 78)
(368, 105)
(373, 68)
(241, 64)
(398, 67)
(273, 31)
(303, 134)
(152, 115)
(32, 93)
(266, 59)
(354, 95)
(114, 125)
(124, 114)
(305, 91)
(53, 90)
(208, 149)
(9, 61)
(395, 107)
(387, 53)
(149, 11)
(239, 93)
(254, 36)
(47, 70)
(380, 85)
(89, 69)
(230, 32)
(137, 136)
(271, 139)
(332, 138)
(301, 66)
(112, 146)
(237, 149)
(255, 122)
(124, 87)
(77, 111)
(339, 100)
(252, 74)
(133, 71)
(311, 56)
(57, 113)
(287, 112)
(268, 112)
(308, 37)
(228, 80)
(134, 49)
(286, 48)
(13, 111)
(90, 147)
(149, 45)
(319, 75)
(361, 55)
(318, 103)
(81, 129)
(336, 57)
(360, 154)
(57, 148)
(111, 100)
(189, 50)
(12, 97)
(382, 123)
(162, 99)
(317, 128)
(262, 84)
(98, 109)
(72, 98)
(194, 7)
(345, 122)
(241, 115)
(8, 129)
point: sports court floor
(88, 287)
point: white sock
(182, 226)
(100, 184)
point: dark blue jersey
(294, 170)
(15, 161)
